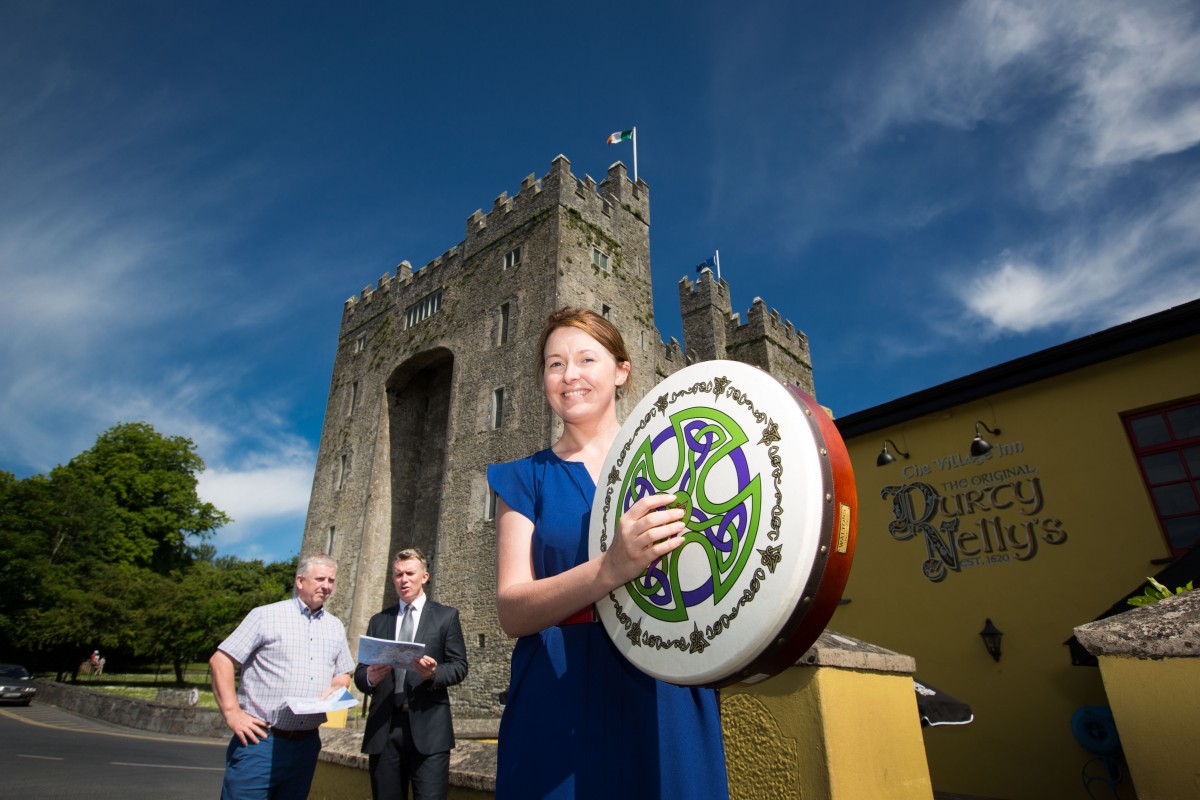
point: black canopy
(938, 708)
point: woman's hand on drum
(647, 531)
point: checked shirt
(287, 651)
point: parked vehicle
(16, 686)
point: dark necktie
(407, 631)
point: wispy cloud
(961, 68)
(120, 301)
(1122, 79)
(1125, 266)
(1096, 90)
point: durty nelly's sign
(995, 517)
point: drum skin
(768, 491)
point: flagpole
(635, 153)
(718, 260)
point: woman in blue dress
(580, 721)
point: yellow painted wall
(1067, 432)
(821, 733)
(1154, 703)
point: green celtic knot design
(722, 523)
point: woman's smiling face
(580, 376)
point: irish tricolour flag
(625, 136)
(620, 136)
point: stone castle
(435, 378)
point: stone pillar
(1150, 663)
(840, 724)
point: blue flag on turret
(709, 263)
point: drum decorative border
(744, 575)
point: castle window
(504, 317)
(329, 540)
(423, 309)
(604, 311)
(353, 398)
(497, 408)
(599, 259)
(1166, 442)
(343, 464)
(490, 511)
(360, 344)
(512, 258)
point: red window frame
(1177, 443)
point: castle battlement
(706, 291)
(712, 331)
(596, 202)
(672, 351)
(761, 322)
(709, 292)
(558, 187)
(404, 281)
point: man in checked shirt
(293, 648)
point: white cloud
(1015, 296)
(267, 498)
(266, 492)
(1085, 280)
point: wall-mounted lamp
(886, 457)
(991, 636)
(979, 445)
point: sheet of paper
(387, 651)
(315, 705)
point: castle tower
(712, 331)
(770, 342)
(435, 377)
(706, 310)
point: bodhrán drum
(768, 493)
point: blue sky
(188, 191)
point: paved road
(47, 753)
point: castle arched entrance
(418, 423)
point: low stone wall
(1150, 662)
(130, 713)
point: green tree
(50, 529)
(148, 483)
(90, 547)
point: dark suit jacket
(428, 701)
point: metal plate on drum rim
(748, 460)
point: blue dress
(581, 721)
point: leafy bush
(1155, 592)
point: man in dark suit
(409, 731)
